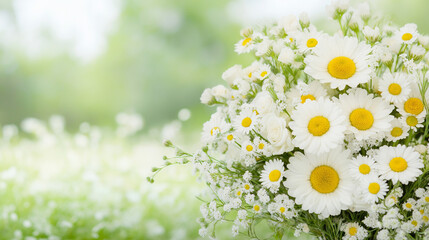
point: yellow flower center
(264, 73)
(374, 188)
(342, 68)
(246, 41)
(422, 211)
(261, 146)
(407, 36)
(214, 131)
(238, 193)
(230, 137)
(246, 122)
(425, 218)
(395, 89)
(408, 205)
(282, 209)
(398, 164)
(352, 231)
(308, 96)
(250, 74)
(318, 125)
(413, 106)
(427, 199)
(312, 42)
(414, 222)
(247, 186)
(364, 169)
(361, 119)
(274, 175)
(249, 148)
(256, 208)
(396, 132)
(411, 121)
(324, 179)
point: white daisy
(340, 61)
(374, 189)
(395, 88)
(257, 207)
(412, 121)
(248, 148)
(413, 104)
(397, 131)
(368, 116)
(354, 231)
(245, 45)
(303, 92)
(362, 168)
(245, 121)
(214, 127)
(399, 163)
(407, 34)
(309, 39)
(409, 205)
(263, 71)
(318, 126)
(272, 175)
(261, 146)
(321, 183)
(249, 73)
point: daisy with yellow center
(248, 148)
(374, 189)
(399, 163)
(362, 168)
(303, 92)
(397, 131)
(261, 146)
(215, 127)
(246, 44)
(263, 72)
(340, 61)
(412, 104)
(257, 208)
(318, 126)
(354, 231)
(272, 174)
(308, 39)
(246, 121)
(367, 116)
(409, 205)
(412, 122)
(320, 183)
(395, 88)
(407, 34)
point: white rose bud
(371, 34)
(424, 41)
(206, 97)
(420, 148)
(219, 92)
(417, 52)
(304, 20)
(264, 103)
(287, 56)
(232, 73)
(277, 134)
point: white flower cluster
(322, 127)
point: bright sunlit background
(88, 90)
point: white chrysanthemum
(374, 189)
(367, 116)
(303, 92)
(399, 163)
(214, 127)
(321, 183)
(245, 121)
(362, 168)
(407, 34)
(318, 126)
(308, 39)
(273, 174)
(395, 88)
(340, 61)
(354, 231)
(397, 131)
(413, 104)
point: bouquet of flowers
(323, 134)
